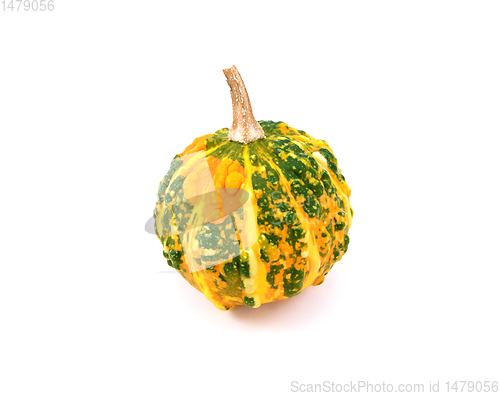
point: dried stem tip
(245, 128)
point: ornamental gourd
(255, 213)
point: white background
(96, 98)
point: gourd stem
(245, 128)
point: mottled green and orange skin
(301, 210)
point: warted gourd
(255, 213)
